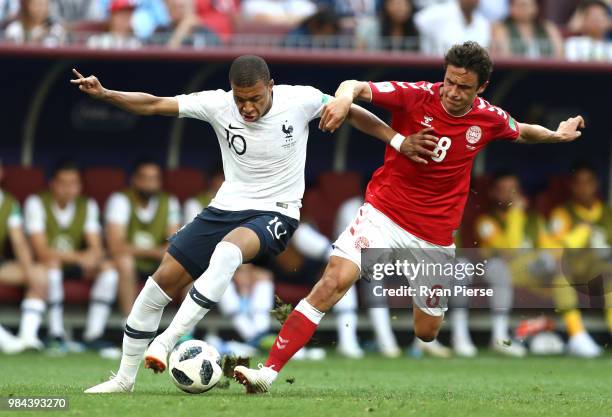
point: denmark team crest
(473, 134)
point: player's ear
(271, 84)
(482, 88)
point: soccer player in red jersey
(411, 203)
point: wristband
(396, 142)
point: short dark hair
(64, 164)
(145, 160)
(246, 70)
(582, 165)
(472, 57)
(501, 174)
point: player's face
(147, 181)
(253, 102)
(506, 190)
(459, 90)
(65, 186)
(584, 187)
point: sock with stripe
(206, 292)
(295, 333)
(140, 328)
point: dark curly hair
(471, 56)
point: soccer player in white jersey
(262, 129)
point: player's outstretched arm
(138, 103)
(414, 147)
(336, 111)
(566, 132)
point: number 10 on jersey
(236, 142)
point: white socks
(499, 331)
(32, 310)
(346, 318)
(102, 295)
(229, 305)
(262, 301)
(207, 290)
(459, 325)
(56, 302)
(309, 311)
(140, 328)
(381, 322)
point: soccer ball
(195, 366)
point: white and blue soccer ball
(195, 366)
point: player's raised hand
(89, 85)
(421, 144)
(334, 113)
(568, 130)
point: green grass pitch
(486, 386)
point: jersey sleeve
(312, 101)
(396, 95)
(202, 105)
(505, 127)
(15, 218)
(174, 212)
(92, 220)
(35, 216)
(117, 210)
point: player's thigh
(268, 235)
(11, 273)
(171, 276)
(339, 275)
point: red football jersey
(428, 200)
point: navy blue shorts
(193, 245)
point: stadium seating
(23, 181)
(100, 182)
(184, 182)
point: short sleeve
(192, 208)
(174, 212)
(92, 221)
(117, 210)
(15, 218)
(396, 95)
(312, 101)
(202, 105)
(35, 216)
(506, 128)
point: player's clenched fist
(568, 130)
(89, 85)
(414, 147)
(334, 113)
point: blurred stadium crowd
(94, 235)
(577, 30)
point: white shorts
(372, 229)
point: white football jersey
(264, 160)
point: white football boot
(509, 347)
(10, 344)
(113, 385)
(156, 357)
(256, 381)
(350, 350)
(463, 346)
(583, 346)
(433, 348)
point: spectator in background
(34, 25)
(442, 25)
(74, 11)
(394, 28)
(318, 30)
(591, 44)
(493, 10)
(185, 28)
(218, 15)
(119, 35)
(66, 235)
(138, 222)
(278, 12)
(524, 34)
(8, 9)
(148, 15)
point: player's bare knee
(39, 282)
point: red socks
(295, 333)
